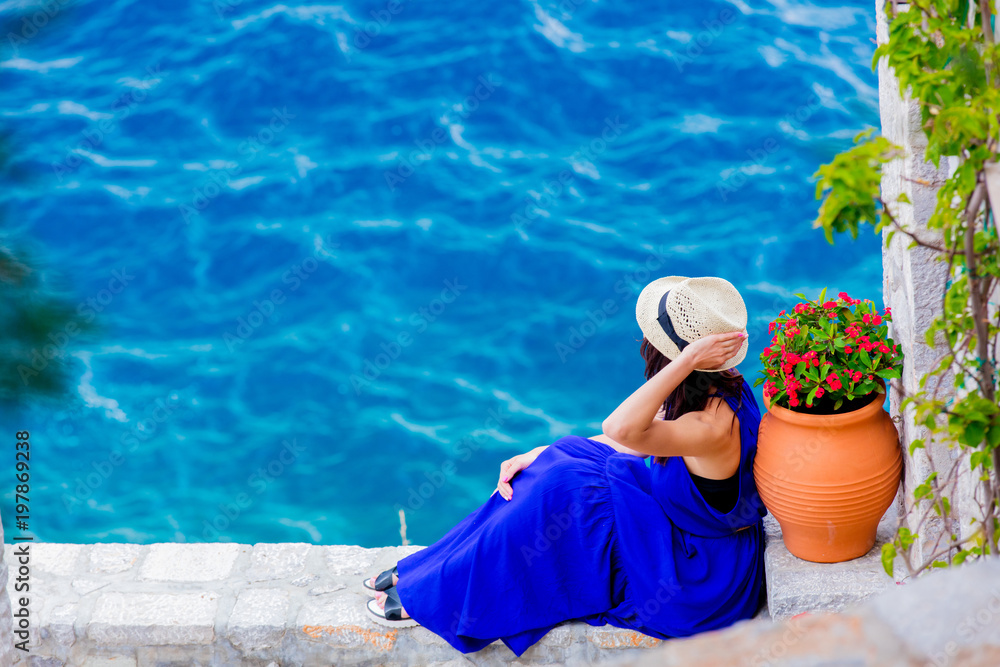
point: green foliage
(949, 65)
(37, 329)
(851, 183)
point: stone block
(258, 619)
(153, 619)
(89, 585)
(59, 624)
(110, 661)
(946, 613)
(795, 586)
(341, 621)
(113, 558)
(610, 637)
(343, 560)
(189, 562)
(277, 561)
(50, 558)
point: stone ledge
(796, 586)
(100, 605)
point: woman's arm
(617, 445)
(631, 424)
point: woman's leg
(513, 567)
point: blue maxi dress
(594, 535)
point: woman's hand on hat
(713, 350)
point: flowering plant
(824, 353)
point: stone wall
(236, 604)
(6, 624)
(913, 284)
(948, 619)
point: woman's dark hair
(692, 394)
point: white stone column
(913, 286)
(6, 620)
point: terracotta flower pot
(828, 479)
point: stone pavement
(944, 619)
(125, 605)
(795, 586)
(100, 605)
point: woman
(584, 529)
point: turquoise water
(348, 259)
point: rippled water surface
(348, 258)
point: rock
(112, 558)
(189, 562)
(277, 561)
(323, 590)
(152, 619)
(344, 560)
(258, 619)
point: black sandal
(392, 614)
(382, 582)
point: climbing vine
(945, 56)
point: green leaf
(993, 436)
(980, 458)
(888, 556)
(822, 296)
(973, 434)
(915, 445)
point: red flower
(843, 295)
(876, 320)
(856, 376)
(820, 391)
(830, 304)
(847, 349)
(888, 312)
(883, 348)
(871, 377)
(866, 318)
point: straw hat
(676, 310)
